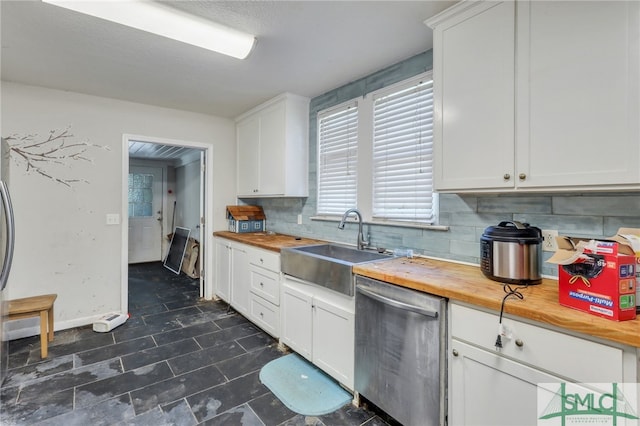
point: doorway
(149, 216)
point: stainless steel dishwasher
(399, 353)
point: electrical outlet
(299, 219)
(549, 240)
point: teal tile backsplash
(583, 215)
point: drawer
(266, 315)
(265, 284)
(575, 358)
(266, 259)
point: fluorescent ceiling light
(165, 21)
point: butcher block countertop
(267, 241)
(466, 283)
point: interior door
(145, 214)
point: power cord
(510, 292)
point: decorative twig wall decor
(38, 154)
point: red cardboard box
(597, 276)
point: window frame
(364, 192)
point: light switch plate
(113, 219)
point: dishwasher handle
(396, 303)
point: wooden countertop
(466, 283)
(273, 242)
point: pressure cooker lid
(513, 229)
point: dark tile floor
(178, 360)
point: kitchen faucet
(362, 243)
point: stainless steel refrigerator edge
(6, 250)
(399, 353)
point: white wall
(63, 243)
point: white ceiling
(304, 47)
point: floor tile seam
(118, 395)
(59, 373)
(77, 407)
(193, 415)
(164, 404)
(250, 350)
(230, 408)
(146, 335)
(183, 328)
(175, 376)
(167, 359)
(79, 352)
(247, 403)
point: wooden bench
(41, 306)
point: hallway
(176, 361)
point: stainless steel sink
(326, 265)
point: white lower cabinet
(264, 269)
(319, 324)
(248, 278)
(240, 279)
(490, 387)
(232, 274)
(222, 285)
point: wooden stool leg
(51, 324)
(43, 334)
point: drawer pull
(455, 352)
(261, 314)
(519, 343)
(261, 260)
(261, 284)
(506, 176)
(522, 176)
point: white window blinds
(337, 160)
(402, 154)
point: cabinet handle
(261, 284)
(506, 176)
(522, 176)
(261, 314)
(455, 352)
(261, 260)
(519, 343)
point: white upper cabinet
(539, 95)
(474, 94)
(273, 148)
(578, 93)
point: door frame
(206, 244)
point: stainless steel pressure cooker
(511, 253)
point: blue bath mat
(302, 387)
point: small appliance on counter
(511, 253)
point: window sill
(398, 224)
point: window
(337, 159)
(402, 153)
(376, 154)
(140, 194)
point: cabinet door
(223, 270)
(295, 327)
(248, 156)
(272, 150)
(333, 341)
(487, 389)
(474, 98)
(578, 109)
(240, 280)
